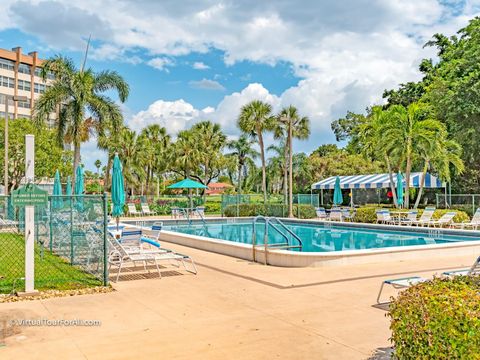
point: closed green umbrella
(399, 189)
(118, 189)
(68, 190)
(79, 187)
(337, 192)
(57, 201)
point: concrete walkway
(232, 309)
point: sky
(192, 60)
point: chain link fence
(466, 202)
(70, 243)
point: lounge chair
(119, 256)
(473, 270)
(472, 224)
(347, 215)
(321, 213)
(146, 210)
(153, 236)
(401, 283)
(425, 218)
(446, 219)
(383, 217)
(175, 212)
(336, 215)
(410, 219)
(132, 210)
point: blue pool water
(320, 238)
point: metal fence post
(71, 229)
(105, 247)
(51, 227)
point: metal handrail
(269, 221)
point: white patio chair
(321, 213)
(425, 218)
(401, 283)
(336, 215)
(446, 219)
(473, 270)
(473, 224)
(410, 219)
(132, 210)
(146, 210)
(200, 211)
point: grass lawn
(51, 271)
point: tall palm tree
(409, 129)
(130, 150)
(255, 119)
(156, 140)
(243, 150)
(280, 132)
(186, 153)
(78, 95)
(98, 165)
(297, 127)
(280, 160)
(211, 140)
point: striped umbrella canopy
(57, 201)
(118, 189)
(337, 193)
(399, 189)
(68, 190)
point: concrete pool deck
(233, 309)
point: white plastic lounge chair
(146, 210)
(321, 213)
(472, 224)
(426, 217)
(383, 217)
(347, 214)
(401, 283)
(446, 219)
(7, 222)
(410, 219)
(473, 270)
(336, 215)
(132, 210)
(154, 233)
(119, 256)
(200, 211)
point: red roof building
(217, 188)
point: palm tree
(130, 150)
(255, 119)
(78, 97)
(156, 140)
(98, 165)
(409, 129)
(186, 153)
(297, 127)
(280, 160)
(211, 140)
(243, 151)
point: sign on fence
(29, 195)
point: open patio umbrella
(79, 187)
(337, 192)
(118, 189)
(188, 184)
(57, 201)
(399, 189)
(68, 189)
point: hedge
(368, 214)
(438, 319)
(303, 211)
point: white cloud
(161, 63)
(206, 84)
(198, 65)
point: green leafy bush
(439, 319)
(368, 214)
(303, 211)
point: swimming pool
(323, 243)
(320, 237)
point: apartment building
(20, 76)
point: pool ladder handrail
(270, 221)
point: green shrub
(278, 210)
(439, 319)
(368, 214)
(213, 207)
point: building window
(7, 64)
(24, 85)
(38, 71)
(24, 104)
(24, 69)
(39, 88)
(7, 81)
